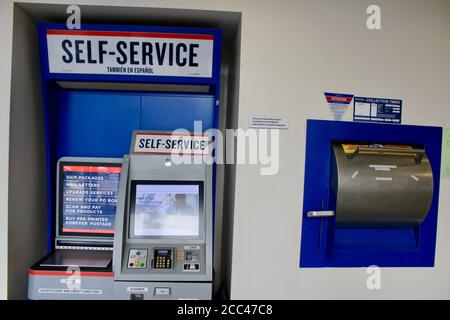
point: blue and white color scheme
(89, 113)
(89, 198)
(130, 53)
(377, 110)
(323, 244)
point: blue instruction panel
(377, 110)
(89, 199)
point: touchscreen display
(166, 210)
(89, 198)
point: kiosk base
(46, 282)
(126, 290)
(59, 285)
(50, 279)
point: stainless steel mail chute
(380, 186)
(371, 195)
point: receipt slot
(164, 223)
(371, 195)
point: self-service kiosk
(80, 267)
(371, 195)
(100, 84)
(163, 241)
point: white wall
(291, 52)
(27, 207)
(6, 18)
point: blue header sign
(377, 110)
(130, 53)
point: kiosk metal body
(168, 265)
(99, 85)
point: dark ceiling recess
(227, 21)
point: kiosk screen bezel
(201, 206)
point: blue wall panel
(93, 124)
(89, 123)
(100, 124)
(78, 123)
(170, 111)
(324, 245)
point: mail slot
(371, 195)
(381, 185)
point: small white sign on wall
(268, 122)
